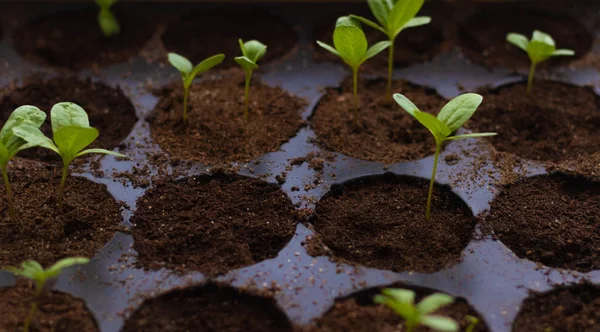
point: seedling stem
(185, 101)
(438, 149)
(61, 189)
(9, 196)
(530, 78)
(390, 71)
(355, 92)
(247, 93)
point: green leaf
(102, 151)
(405, 309)
(68, 114)
(253, 49)
(245, 63)
(369, 23)
(439, 130)
(402, 12)
(56, 268)
(351, 43)
(34, 136)
(23, 115)
(439, 323)
(376, 49)
(381, 10)
(405, 103)
(518, 40)
(181, 63)
(473, 135)
(458, 110)
(108, 23)
(70, 140)
(206, 65)
(542, 37)
(417, 21)
(433, 302)
(563, 51)
(539, 51)
(329, 48)
(105, 3)
(400, 295)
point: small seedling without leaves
(106, 18)
(452, 116)
(402, 302)
(539, 48)
(189, 72)
(252, 51)
(34, 271)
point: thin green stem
(34, 306)
(409, 327)
(186, 92)
(247, 93)
(9, 196)
(530, 78)
(355, 92)
(61, 189)
(390, 71)
(438, 148)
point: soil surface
(109, 110)
(550, 219)
(385, 132)
(216, 132)
(202, 34)
(89, 219)
(565, 308)
(73, 39)
(556, 122)
(380, 222)
(212, 224)
(483, 36)
(208, 308)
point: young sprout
(473, 323)
(71, 133)
(350, 44)
(106, 19)
(402, 301)
(34, 271)
(393, 17)
(11, 144)
(540, 48)
(453, 115)
(252, 51)
(189, 72)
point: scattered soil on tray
(109, 110)
(556, 122)
(551, 219)
(195, 36)
(57, 311)
(483, 36)
(89, 220)
(212, 224)
(216, 132)
(385, 132)
(208, 308)
(380, 222)
(73, 39)
(564, 308)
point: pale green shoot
(252, 51)
(106, 19)
(473, 321)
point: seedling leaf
(252, 51)
(35, 137)
(439, 323)
(406, 104)
(68, 114)
(205, 65)
(351, 43)
(376, 49)
(102, 151)
(381, 10)
(180, 63)
(438, 129)
(368, 22)
(433, 302)
(417, 21)
(473, 135)
(459, 110)
(70, 140)
(106, 19)
(328, 48)
(563, 52)
(246, 63)
(518, 40)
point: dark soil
(57, 311)
(208, 308)
(73, 39)
(109, 110)
(216, 132)
(483, 36)
(380, 222)
(89, 220)
(565, 308)
(202, 34)
(556, 122)
(212, 224)
(551, 219)
(385, 132)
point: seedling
(106, 19)
(473, 321)
(189, 72)
(350, 44)
(402, 301)
(540, 48)
(11, 144)
(71, 134)
(393, 17)
(252, 51)
(453, 115)
(34, 271)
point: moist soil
(108, 109)
(551, 219)
(385, 132)
(380, 222)
(73, 39)
(212, 224)
(556, 122)
(216, 132)
(565, 308)
(89, 219)
(482, 37)
(57, 311)
(202, 34)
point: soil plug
(106, 19)
(252, 51)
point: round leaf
(351, 43)
(458, 110)
(518, 40)
(180, 63)
(68, 114)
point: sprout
(252, 51)
(34, 271)
(393, 17)
(453, 115)
(402, 301)
(540, 48)
(71, 134)
(11, 144)
(106, 19)
(188, 72)
(473, 321)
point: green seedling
(34, 271)
(393, 17)
(452, 116)
(402, 301)
(106, 19)
(71, 133)
(539, 48)
(189, 72)
(350, 44)
(11, 144)
(252, 51)
(473, 321)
